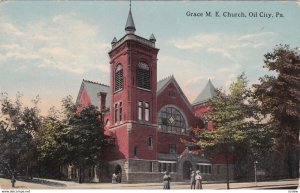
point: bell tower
(133, 105)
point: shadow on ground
(43, 182)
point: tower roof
(207, 93)
(152, 38)
(130, 27)
(130, 35)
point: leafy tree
(50, 145)
(86, 138)
(18, 127)
(228, 115)
(83, 135)
(239, 130)
(70, 137)
(279, 97)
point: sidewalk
(57, 184)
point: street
(57, 184)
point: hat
(193, 171)
(197, 172)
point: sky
(48, 47)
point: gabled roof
(207, 93)
(93, 89)
(162, 84)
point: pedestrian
(193, 180)
(114, 178)
(198, 179)
(166, 180)
(13, 180)
(118, 177)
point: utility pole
(256, 162)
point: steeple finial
(129, 27)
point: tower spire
(129, 27)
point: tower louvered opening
(143, 76)
(119, 78)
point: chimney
(102, 96)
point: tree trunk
(227, 170)
(27, 172)
(80, 175)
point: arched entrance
(118, 172)
(186, 170)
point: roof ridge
(165, 78)
(93, 82)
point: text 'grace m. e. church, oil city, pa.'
(148, 119)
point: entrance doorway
(118, 172)
(186, 170)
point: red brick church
(147, 118)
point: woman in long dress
(193, 180)
(166, 180)
(198, 178)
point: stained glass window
(143, 76)
(171, 120)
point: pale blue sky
(47, 48)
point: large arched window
(143, 75)
(171, 120)
(119, 78)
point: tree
(228, 115)
(70, 137)
(86, 138)
(51, 145)
(279, 96)
(18, 127)
(83, 135)
(239, 130)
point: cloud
(221, 51)
(64, 42)
(195, 42)
(217, 56)
(10, 29)
(226, 45)
(254, 36)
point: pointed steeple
(129, 27)
(152, 38)
(114, 41)
(207, 93)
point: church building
(148, 119)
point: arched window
(171, 120)
(143, 75)
(119, 78)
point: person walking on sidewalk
(13, 180)
(166, 180)
(198, 178)
(193, 180)
(114, 178)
